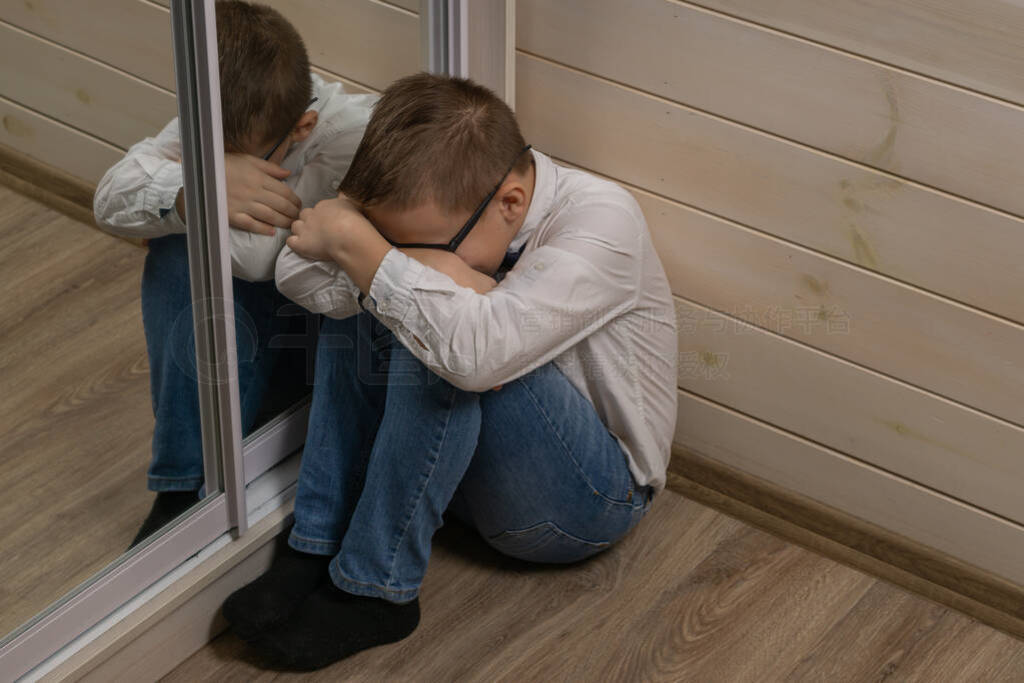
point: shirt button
(382, 307)
(539, 266)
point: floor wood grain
(690, 595)
(75, 414)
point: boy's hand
(329, 229)
(335, 230)
(257, 199)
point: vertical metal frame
(471, 39)
(209, 250)
(434, 36)
(196, 70)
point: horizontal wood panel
(930, 342)
(917, 235)
(367, 42)
(868, 493)
(977, 44)
(53, 143)
(132, 35)
(349, 86)
(904, 430)
(80, 92)
(942, 136)
(345, 37)
(409, 5)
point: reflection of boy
(266, 89)
(557, 465)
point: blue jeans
(391, 446)
(177, 457)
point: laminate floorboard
(690, 595)
(75, 412)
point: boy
(550, 293)
(282, 153)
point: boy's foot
(330, 625)
(167, 506)
(271, 598)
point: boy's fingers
(244, 221)
(264, 213)
(279, 204)
(283, 190)
(296, 244)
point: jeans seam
(568, 451)
(331, 547)
(419, 493)
(411, 593)
(557, 528)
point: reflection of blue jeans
(177, 463)
(391, 445)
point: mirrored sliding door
(121, 442)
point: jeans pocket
(545, 542)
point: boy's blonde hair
(434, 138)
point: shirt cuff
(163, 188)
(392, 288)
(173, 220)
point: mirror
(97, 353)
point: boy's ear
(305, 126)
(512, 200)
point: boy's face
(484, 247)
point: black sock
(167, 506)
(330, 625)
(272, 597)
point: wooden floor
(691, 595)
(75, 413)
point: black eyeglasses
(454, 243)
(274, 148)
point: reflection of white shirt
(588, 293)
(135, 197)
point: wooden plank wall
(834, 191)
(80, 82)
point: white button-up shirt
(135, 198)
(588, 293)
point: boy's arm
(553, 299)
(137, 196)
(324, 287)
(557, 295)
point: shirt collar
(544, 183)
(300, 153)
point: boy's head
(433, 150)
(265, 83)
